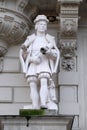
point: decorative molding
(68, 64)
(13, 29)
(15, 25)
(3, 47)
(2, 2)
(68, 20)
(1, 64)
(70, 1)
(8, 18)
(21, 5)
(69, 27)
(68, 31)
(2, 10)
(67, 48)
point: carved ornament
(68, 48)
(21, 5)
(2, 2)
(1, 64)
(68, 64)
(70, 1)
(69, 27)
(14, 26)
(68, 32)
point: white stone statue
(39, 58)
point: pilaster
(68, 44)
(68, 32)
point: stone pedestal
(49, 122)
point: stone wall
(14, 91)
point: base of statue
(44, 122)
(46, 119)
(37, 112)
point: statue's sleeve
(24, 54)
(54, 65)
(26, 43)
(58, 56)
(29, 40)
(22, 61)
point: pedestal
(51, 123)
(46, 122)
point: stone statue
(39, 58)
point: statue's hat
(41, 18)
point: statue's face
(42, 26)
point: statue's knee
(44, 75)
(32, 79)
(44, 78)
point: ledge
(45, 122)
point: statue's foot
(43, 107)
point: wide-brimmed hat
(41, 18)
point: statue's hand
(44, 50)
(35, 60)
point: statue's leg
(34, 92)
(43, 92)
(44, 89)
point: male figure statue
(39, 57)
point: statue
(39, 58)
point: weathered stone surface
(38, 123)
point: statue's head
(41, 23)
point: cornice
(70, 1)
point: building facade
(68, 23)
